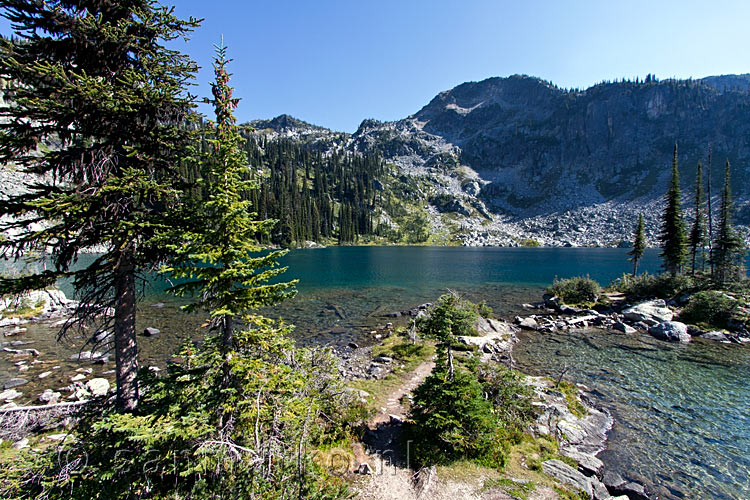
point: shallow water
(682, 412)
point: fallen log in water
(19, 421)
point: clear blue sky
(336, 62)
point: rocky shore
(580, 434)
(655, 317)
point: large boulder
(717, 336)
(622, 327)
(599, 490)
(49, 397)
(568, 475)
(98, 386)
(15, 382)
(571, 432)
(671, 331)
(151, 332)
(587, 463)
(654, 310)
(527, 323)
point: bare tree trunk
(450, 363)
(227, 333)
(635, 267)
(710, 217)
(692, 272)
(126, 348)
(227, 344)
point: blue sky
(335, 62)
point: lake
(682, 411)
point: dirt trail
(392, 478)
(382, 438)
(393, 403)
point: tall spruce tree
(215, 246)
(673, 238)
(97, 106)
(698, 231)
(639, 244)
(729, 249)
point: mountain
(545, 149)
(512, 161)
(290, 128)
(536, 154)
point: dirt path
(393, 403)
(392, 477)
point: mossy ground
(570, 390)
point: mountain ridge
(512, 154)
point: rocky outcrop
(671, 331)
(651, 311)
(568, 475)
(37, 304)
(581, 438)
(495, 340)
(649, 316)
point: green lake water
(682, 411)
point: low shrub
(483, 309)
(576, 290)
(647, 286)
(511, 398)
(712, 309)
(570, 391)
(535, 450)
(529, 242)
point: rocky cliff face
(545, 149)
(535, 155)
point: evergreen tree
(729, 249)
(233, 417)
(698, 231)
(639, 244)
(450, 317)
(214, 253)
(98, 104)
(673, 238)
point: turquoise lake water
(682, 411)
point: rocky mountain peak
(490, 97)
(729, 83)
(283, 124)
